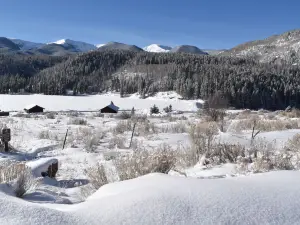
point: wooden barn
(34, 109)
(111, 108)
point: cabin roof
(112, 106)
(32, 106)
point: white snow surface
(79, 45)
(270, 198)
(157, 48)
(100, 45)
(95, 102)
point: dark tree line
(245, 83)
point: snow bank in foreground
(271, 198)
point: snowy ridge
(277, 48)
(26, 45)
(78, 45)
(99, 45)
(157, 48)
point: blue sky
(211, 24)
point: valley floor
(224, 188)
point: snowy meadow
(181, 165)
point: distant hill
(157, 48)
(26, 45)
(7, 45)
(283, 48)
(188, 49)
(214, 51)
(76, 46)
(119, 46)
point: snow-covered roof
(31, 106)
(113, 106)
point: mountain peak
(157, 48)
(120, 46)
(188, 49)
(78, 45)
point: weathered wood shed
(34, 109)
(111, 108)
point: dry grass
(122, 127)
(77, 121)
(263, 125)
(20, 177)
(142, 162)
(47, 134)
(244, 114)
(179, 127)
(293, 144)
(116, 142)
(202, 136)
(97, 176)
(294, 113)
(92, 141)
(50, 115)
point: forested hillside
(246, 83)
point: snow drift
(271, 198)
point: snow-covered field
(218, 192)
(95, 102)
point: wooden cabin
(34, 109)
(111, 108)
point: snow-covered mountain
(99, 45)
(7, 45)
(78, 45)
(157, 48)
(120, 46)
(26, 45)
(188, 49)
(284, 48)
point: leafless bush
(144, 128)
(282, 161)
(293, 144)
(116, 141)
(50, 115)
(244, 114)
(92, 141)
(174, 128)
(88, 136)
(20, 177)
(123, 116)
(77, 121)
(270, 116)
(122, 127)
(98, 114)
(224, 153)
(139, 118)
(264, 125)
(74, 114)
(47, 134)
(23, 115)
(44, 134)
(97, 176)
(202, 136)
(215, 115)
(294, 113)
(142, 162)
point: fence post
(132, 134)
(65, 139)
